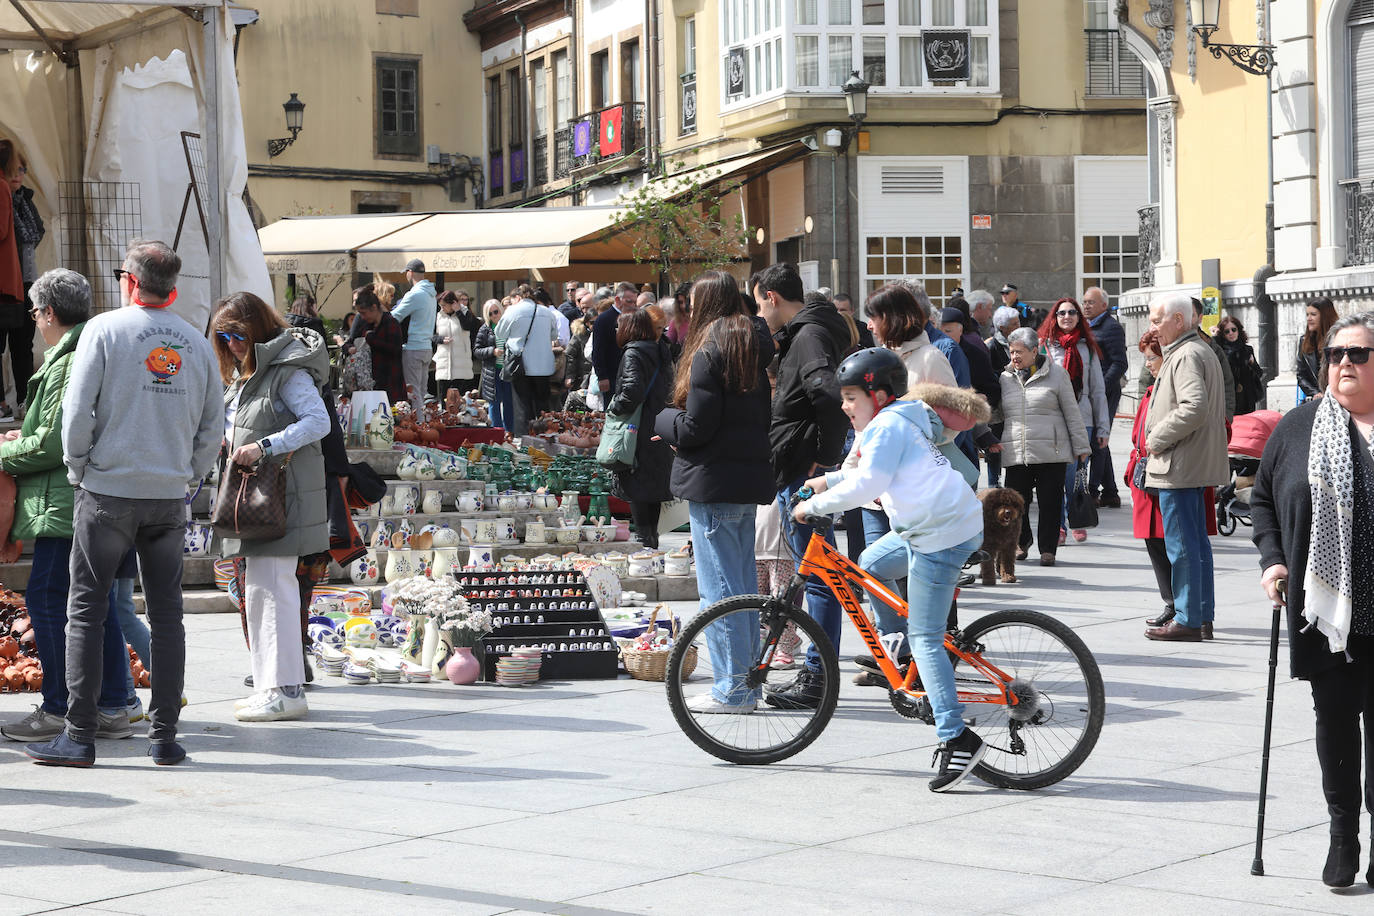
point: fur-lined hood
(957, 409)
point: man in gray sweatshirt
(142, 419)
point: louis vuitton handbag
(252, 502)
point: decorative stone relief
(1160, 17)
(1192, 42)
(1164, 113)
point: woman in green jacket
(43, 514)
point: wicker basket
(652, 664)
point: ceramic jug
(406, 530)
(433, 502)
(400, 564)
(381, 429)
(424, 469)
(445, 536)
(381, 537)
(445, 562)
(363, 571)
(408, 468)
(470, 501)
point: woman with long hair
(452, 344)
(274, 413)
(718, 422)
(1245, 369)
(643, 381)
(1067, 339)
(1321, 315)
(494, 389)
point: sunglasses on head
(227, 336)
(1358, 355)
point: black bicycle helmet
(872, 369)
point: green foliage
(676, 223)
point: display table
(455, 437)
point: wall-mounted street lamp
(1256, 59)
(856, 99)
(295, 115)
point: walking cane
(1257, 866)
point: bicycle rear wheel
(1052, 730)
(769, 733)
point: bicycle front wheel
(1051, 731)
(759, 628)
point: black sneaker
(869, 663)
(956, 759)
(804, 692)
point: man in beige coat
(1185, 437)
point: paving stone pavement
(583, 797)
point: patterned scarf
(1073, 360)
(1331, 477)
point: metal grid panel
(99, 219)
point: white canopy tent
(101, 98)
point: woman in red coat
(1146, 522)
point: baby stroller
(1249, 433)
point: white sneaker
(274, 706)
(709, 705)
(250, 700)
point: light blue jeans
(931, 580)
(1070, 474)
(135, 631)
(723, 544)
(885, 559)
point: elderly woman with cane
(1313, 512)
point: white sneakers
(709, 705)
(271, 706)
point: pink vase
(463, 667)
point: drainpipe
(527, 143)
(574, 62)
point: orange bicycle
(1027, 679)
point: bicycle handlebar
(819, 522)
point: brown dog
(1002, 511)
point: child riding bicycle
(934, 513)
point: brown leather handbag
(252, 502)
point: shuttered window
(1361, 26)
(1112, 69)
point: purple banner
(517, 166)
(497, 173)
(582, 138)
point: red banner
(612, 123)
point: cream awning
(489, 244)
(325, 244)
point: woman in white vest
(453, 344)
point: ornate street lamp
(856, 98)
(1256, 59)
(295, 115)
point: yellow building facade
(393, 107)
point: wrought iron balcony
(614, 132)
(562, 153)
(1148, 243)
(1359, 223)
(539, 163)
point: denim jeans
(1070, 475)
(931, 579)
(885, 559)
(1190, 554)
(1102, 474)
(49, 583)
(723, 544)
(105, 527)
(503, 408)
(821, 604)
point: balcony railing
(562, 153)
(1359, 223)
(615, 132)
(540, 161)
(1148, 243)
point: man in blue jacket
(419, 305)
(1111, 337)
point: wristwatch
(266, 445)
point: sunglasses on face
(120, 274)
(1061, 314)
(1358, 355)
(227, 336)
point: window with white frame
(882, 40)
(937, 261)
(1360, 37)
(752, 48)
(1112, 69)
(1111, 262)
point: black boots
(1342, 861)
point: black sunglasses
(119, 274)
(1064, 312)
(227, 336)
(1358, 355)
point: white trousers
(272, 599)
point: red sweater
(11, 274)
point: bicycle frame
(841, 575)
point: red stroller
(1249, 433)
